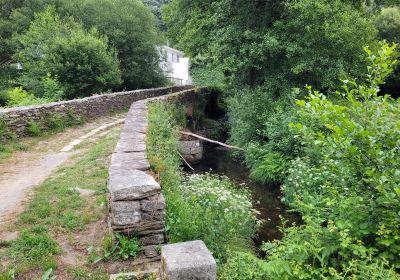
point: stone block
(134, 185)
(153, 203)
(122, 160)
(125, 212)
(189, 261)
(152, 251)
(155, 216)
(130, 146)
(153, 239)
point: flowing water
(266, 197)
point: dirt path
(20, 173)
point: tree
(128, 24)
(80, 60)
(130, 28)
(273, 42)
(388, 25)
(156, 6)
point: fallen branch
(209, 140)
(185, 161)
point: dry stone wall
(136, 204)
(17, 119)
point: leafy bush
(216, 212)
(82, 61)
(127, 248)
(34, 128)
(347, 192)
(271, 167)
(130, 28)
(4, 98)
(267, 139)
(56, 121)
(52, 89)
(388, 24)
(202, 207)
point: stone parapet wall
(136, 204)
(17, 119)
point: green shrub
(244, 266)
(270, 167)
(20, 97)
(388, 24)
(34, 128)
(17, 96)
(216, 212)
(73, 118)
(56, 121)
(52, 89)
(4, 98)
(93, 69)
(127, 248)
(202, 207)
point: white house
(175, 65)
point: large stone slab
(123, 160)
(130, 146)
(125, 212)
(189, 261)
(133, 185)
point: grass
(57, 210)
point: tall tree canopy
(128, 25)
(261, 42)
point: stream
(266, 197)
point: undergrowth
(204, 207)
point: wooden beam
(209, 140)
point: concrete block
(189, 261)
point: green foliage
(127, 248)
(279, 44)
(55, 122)
(216, 212)
(20, 97)
(9, 275)
(48, 46)
(244, 266)
(34, 246)
(4, 98)
(130, 29)
(388, 24)
(202, 207)
(156, 6)
(52, 89)
(129, 26)
(124, 249)
(34, 128)
(270, 167)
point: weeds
(124, 249)
(34, 128)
